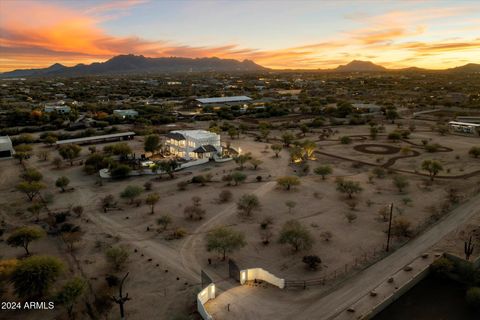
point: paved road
(353, 289)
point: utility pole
(389, 228)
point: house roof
(224, 99)
(95, 138)
(175, 136)
(464, 124)
(205, 148)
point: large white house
(193, 144)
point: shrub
(473, 297)
(296, 235)
(117, 257)
(345, 140)
(225, 196)
(177, 233)
(312, 262)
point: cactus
(468, 248)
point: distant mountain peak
(360, 66)
(130, 64)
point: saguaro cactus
(468, 248)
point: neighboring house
(367, 107)
(6, 148)
(58, 109)
(126, 113)
(467, 128)
(220, 102)
(193, 144)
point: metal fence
(359, 263)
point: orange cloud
(56, 34)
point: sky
(276, 34)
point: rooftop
(224, 99)
(105, 136)
(195, 134)
(464, 123)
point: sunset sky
(276, 34)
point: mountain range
(133, 64)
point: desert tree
(152, 143)
(433, 167)
(169, 167)
(348, 187)
(34, 276)
(117, 257)
(164, 220)
(345, 140)
(401, 227)
(323, 171)
(62, 182)
(31, 189)
(312, 262)
(233, 132)
(194, 211)
(22, 152)
(287, 182)
(474, 152)
(69, 152)
(242, 159)
(238, 177)
(296, 235)
(290, 204)
(277, 148)
(23, 236)
(69, 294)
(309, 148)
(151, 200)
(224, 240)
(50, 140)
(35, 209)
(225, 196)
(43, 155)
(31, 175)
(131, 192)
(247, 204)
(255, 163)
(287, 138)
(400, 182)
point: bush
(120, 171)
(117, 257)
(473, 297)
(312, 262)
(182, 185)
(225, 196)
(345, 140)
(177, 233)
(442, 267)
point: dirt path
(310, 304)
(188, 252)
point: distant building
(367, 107)
(58, 109)
(193, 144)
(126, 113)
(467, 128)
(219, 102)
(6, 148)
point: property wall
(194, 163)
(203, 296)
(398, 293)
(261, 274)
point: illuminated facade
(193, 144)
